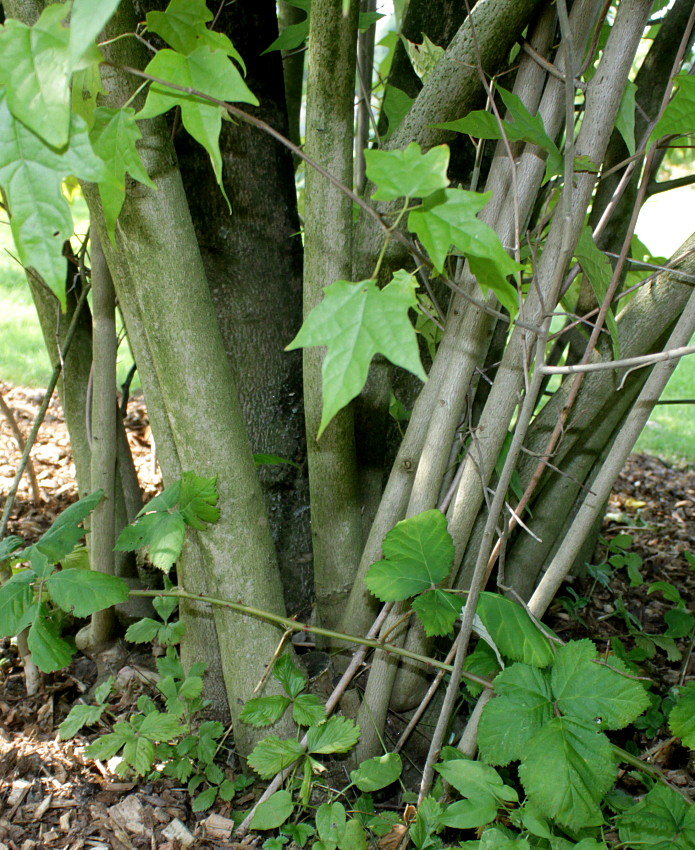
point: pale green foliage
(356, 321)
(682, 717)
(678, 115)
(408, 173)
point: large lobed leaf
(407, 173)
(82, 592)
(662, 820)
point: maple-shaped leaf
(356, 321)
(31, 173)
(183, 26)
(437, 610)
(203, 70)
(407, 173)
(87, 19)
(662, 820)
(114, 135)
(161, 533)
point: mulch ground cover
(53, 797)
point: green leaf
(205, 799)
(524, 694)
(468, 814)
(198, 500)
(61, 537)
(437, 611)
(395, 107)
(205, 71)
(80, 715)
(678, 115)
(8, 545)
(356, 321)
(15, 599)
(423, 57)
(139, 754)
(378, 772)
(682, 717)
(159, 726)
(353, 836)
(662, 820)
(308, 710)
(87, 19)
(586, 690)
(625, 120)
(680, 623)
(483, 662)
(114, 136)
(513, 631)
(293, 35)
(567, 768)
(448, 217)
(271, 755)
(143, 631)
(82, 592)
(367, 19)
(289, 676)
(336, 735)
(269, 460)
(264, 711)
(161, 533)
(48, 649)
(102, 691)
(497, 838)
(300, 833)
(183, 27)
(669, 591)
(330, 823)
(273, 812)
(479, 123)
(418, 553)
(165, 606)
(599, 272)
(474, 779)
(105, 747)
(407, 173)
(426, 823)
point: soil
(51, 796)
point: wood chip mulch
(52, 797)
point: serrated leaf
(16, 596)
(423, 57)
(567, 768)
(48, 649)
(161, 533)
(678, 115)
(209, 72)
(474, 779)
(114, 135)
(378, 772)
(300, 833)
(264, 711)
(105, 746)
(662, 820)
(599, 272)
(273, 812)
(161, 727)
(308, 710)
(586, 690)
(513, 631)
(61, 537)
(468, 814)
(418, 553)
(682, 717)
(356, 321)
(8, 545)
(198, 500)
(82, 592)
(271, 755)
(183, 26)
(102, 691)
(80, 715)
(139, 755)
(483, 662)
(437, 610)
(330, 823)
(523, 694)
(165, 606)
(395, 107)
(204, 800)
(167, 500)
(143, 631)
(87, 19)
(407, 173)
(289, 676)
(448, 217)
(336, 735)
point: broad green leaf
(87, 19)
(143, 631)
(61, 537)
(161, 727)
(114, 135)
(102, 691)
(336, 735)
(289, 676)
(437, 611)
(483, 662)
(356, 321)
(105, 746)
(82, 592)
(80, 715)
(662, 820)
(407, 173)
(426, 822)
(167, 500)
(524, 695)
(198, 500)
(479, 123)
(264, 711)
(295, 34)
(308, 710)
(261, 459)
(48, 649)
(273, 812)
(682, 717)
(15, 599)
(679, 115)
(330, 823)
(599, 272)
(418, 553)
(368, 19)
(8, 545)
(423, 57)
(165, 605)
(567, 768)
(587, 691)
(139, 754)
(86, 88)
(271, 755)
(205, 71)
(474, 779)
(205, 799)
(625, 120)
(448, 217)
(353, 836)
(498, 839)
(161, 533)
(513, 631)
(468, 814)
(679, 621)
(183, 26)
(395, 107)
(378, 772)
